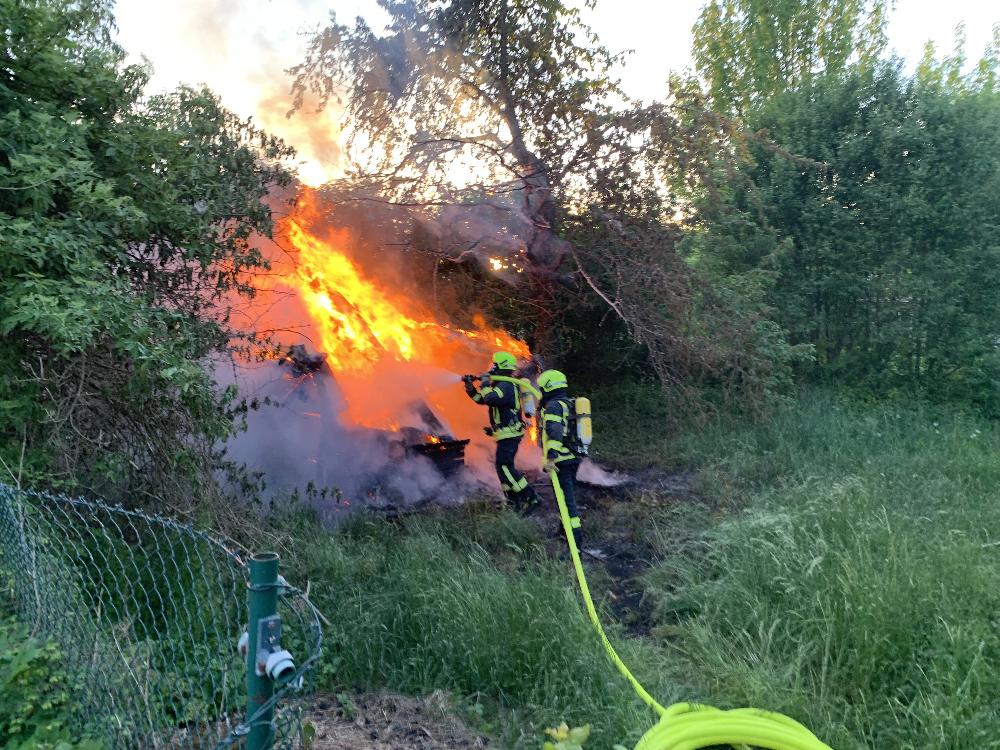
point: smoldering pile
(298, 441)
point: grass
(855, 584)
(470, 605)
(838, 565)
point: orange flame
(359, 322)
(391, 354)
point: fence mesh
(147, 613)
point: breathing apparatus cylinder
(584, 427)
(528, 404)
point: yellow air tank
(584, 427)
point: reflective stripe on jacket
(504, 402)
(555, 432)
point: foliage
(518, 91)
(494, 131)
(854, 581)
(566, 738)
(816, 577)
(126, 227)
(37, 694)
(750, 50)
(710, 348)
(883, 252)
(467, 602)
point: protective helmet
(504, 361)
(551, 380)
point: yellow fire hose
(689, 726)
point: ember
(448, 456)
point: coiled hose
(689, 726)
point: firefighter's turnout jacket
(556, 435)
(503, 398)
(501, 394)
(556, 439)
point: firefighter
(499, 391)
(557, 410)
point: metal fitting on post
(272, 660)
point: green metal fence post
(263, 600)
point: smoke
(297, 438)
(241, 51)
(348, 430)
(497, 233)
(591, 473)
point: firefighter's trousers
(566, 474)
(512, 482)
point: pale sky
(240, 48)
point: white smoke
(592, 473)
(295, 439)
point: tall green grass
(838, 565)
(470, 604)
(855, 584)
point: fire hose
(689, 726)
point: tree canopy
(126, 223)
(749, 50)
(884, 251)
(497, 129)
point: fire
(358, 321)
(355, 320)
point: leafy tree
(493, 129)
(126, 226)
(751, 50)
(884, 251)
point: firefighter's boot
(527, 501)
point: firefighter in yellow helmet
(556, 412)
(498, 390)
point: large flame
(360, 323)
(386, 347)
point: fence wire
(147, 613)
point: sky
(241, 48)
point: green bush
(36, 707)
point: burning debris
(302, 362)
(380, 404)
(301, 438)
(444, 450)
(448, 456)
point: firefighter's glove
(470, 387)
(549, 466)
(488, 431)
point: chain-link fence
(147, 613)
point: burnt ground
(618, 543)
(616, 527)
(386, 721)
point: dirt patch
(384, 721)
(612, 528)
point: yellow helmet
(551, 380)
(505, 361)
